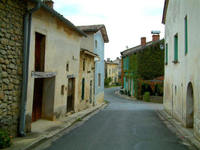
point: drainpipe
(26, 49)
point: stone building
(53, 72)
(96, 37)
(111, 70)
(11, 57)
(86, 79)
(143, 62)
(118, 61)
(181, 90)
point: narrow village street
(122, 125)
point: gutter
(26, 50)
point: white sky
(126, 21)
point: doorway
(70, 94)
(37, 99)
(38, 82)
(190, 106)
(39, 52)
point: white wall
(188, 68)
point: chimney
(143, 41)
(49, 3)
(155, 37)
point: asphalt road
(122, 125)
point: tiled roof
(95, 28)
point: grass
(106, 101)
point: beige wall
(88, 42)
(187, 69)
(88, 75)
(62, 47)
(112, 71)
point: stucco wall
(179, 75)
(62, 47)
(112, 72)
(88, 42)
(99, 67)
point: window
(176, 48)
(95, 43)
(99, 79)
(83, 89)
(67, 66)
(166, 54)
(84, 64)
(186, 35)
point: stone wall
(11, 56)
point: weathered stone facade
(11, 56)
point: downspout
(26, 50)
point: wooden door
(70, 95)
(37, 100)
(39, 52)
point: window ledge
(176, 62)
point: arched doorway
(190, 106)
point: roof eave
(56, 14)
(165, 11)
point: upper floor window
(99, 79)
(166, 54)
(84, 64)
(186, 35)
(96, 43)
(176, 48)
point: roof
(60, 17)
(139, 48)
(96, 28)
(111, 63)
(165, 11)
(85, 51)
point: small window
(95, 43)
(186, 35)
(62, 89)
(84, 64)
(99, 79)
(67, 66)
(176, 48)
(83, 89)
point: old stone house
(118, 61)
(11, 57)
(53, 71)
(181, 90)
(96, 37)
(86, 79)
(143, 62)
(111, 71)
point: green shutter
(186, 36)
(83, 89)
(166, 54)
(176, 48)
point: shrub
(146, 97)
(5, 140)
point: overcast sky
(126, 21)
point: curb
(179, 128)
(45, 138)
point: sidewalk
(186, 133)
(44, 129)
